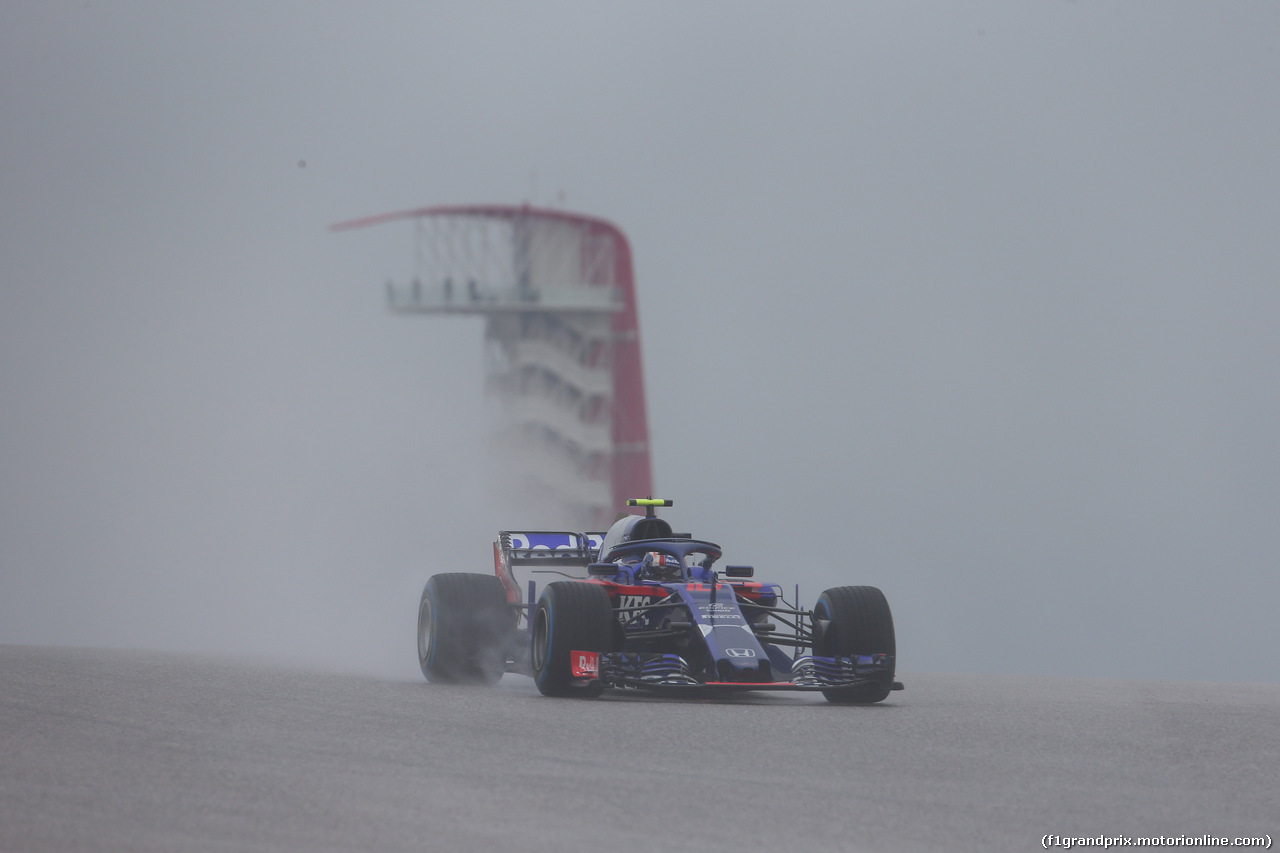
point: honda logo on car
(740, 653)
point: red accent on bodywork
(585, 664)
(751, 591)
(513, 594)
(616, 589)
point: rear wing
(527, 560)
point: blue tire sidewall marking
(546, 657)
(431, 635)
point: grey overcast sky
(975, 302)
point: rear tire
(465, 628)
(859, 623)
(569, 617)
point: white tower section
(556, 293)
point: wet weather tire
(569, 617)
(465, 627)
(856, 621)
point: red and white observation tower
(562, 345)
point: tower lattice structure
(562, 348)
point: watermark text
(1106, 842)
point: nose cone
(743, 669)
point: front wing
(671, 673)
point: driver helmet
(662, 566)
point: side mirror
(602, 569)
(739, 571)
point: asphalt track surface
(141, 751)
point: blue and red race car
(642, 607)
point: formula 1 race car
(644, 608)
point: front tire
(858, 623)
(464, 629)
(569, 617)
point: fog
(973, 302)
